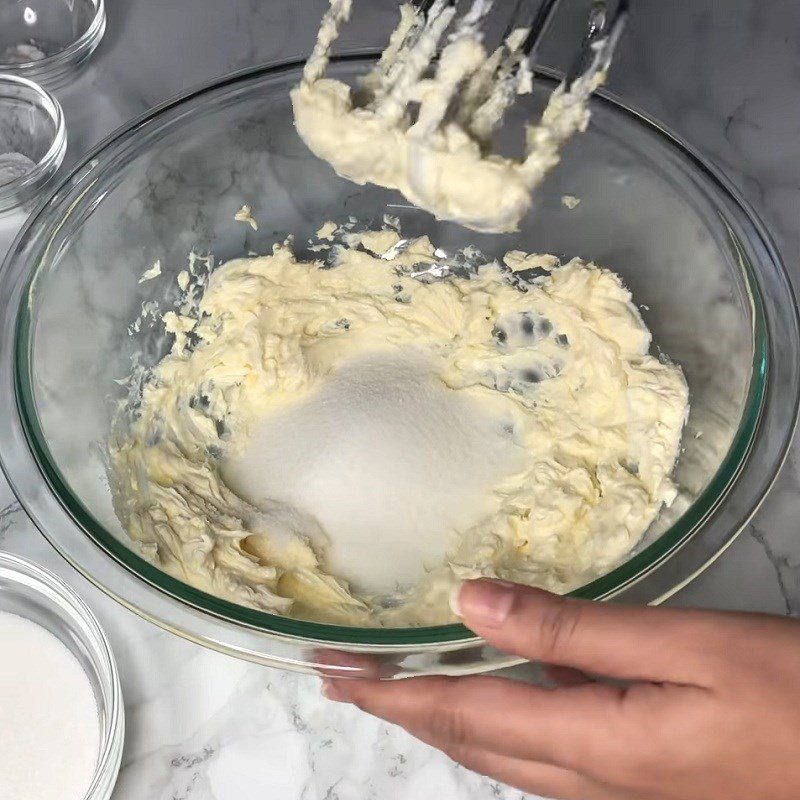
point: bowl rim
(113, 732)
(604, 587)
(14, 192)
(50, 66)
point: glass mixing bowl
(711, 285)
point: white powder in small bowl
(14, 166)
(49, 726)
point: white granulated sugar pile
(387, 461)
(49, 728)
(23, 53)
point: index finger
(655, 644)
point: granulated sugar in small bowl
(61, 713)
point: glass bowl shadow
(711, 284)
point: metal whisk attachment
(439, 96)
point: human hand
(711, 709)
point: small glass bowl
(31, 592)
(33, 140)
(45, 40)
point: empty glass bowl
(33, 140)
(31, 592)
(713, 290)
(45, 40)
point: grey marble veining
(202, 726)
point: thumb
(654, 644)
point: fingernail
(455, 603)
(487, 602)
(334, 690)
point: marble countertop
(202, 726)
